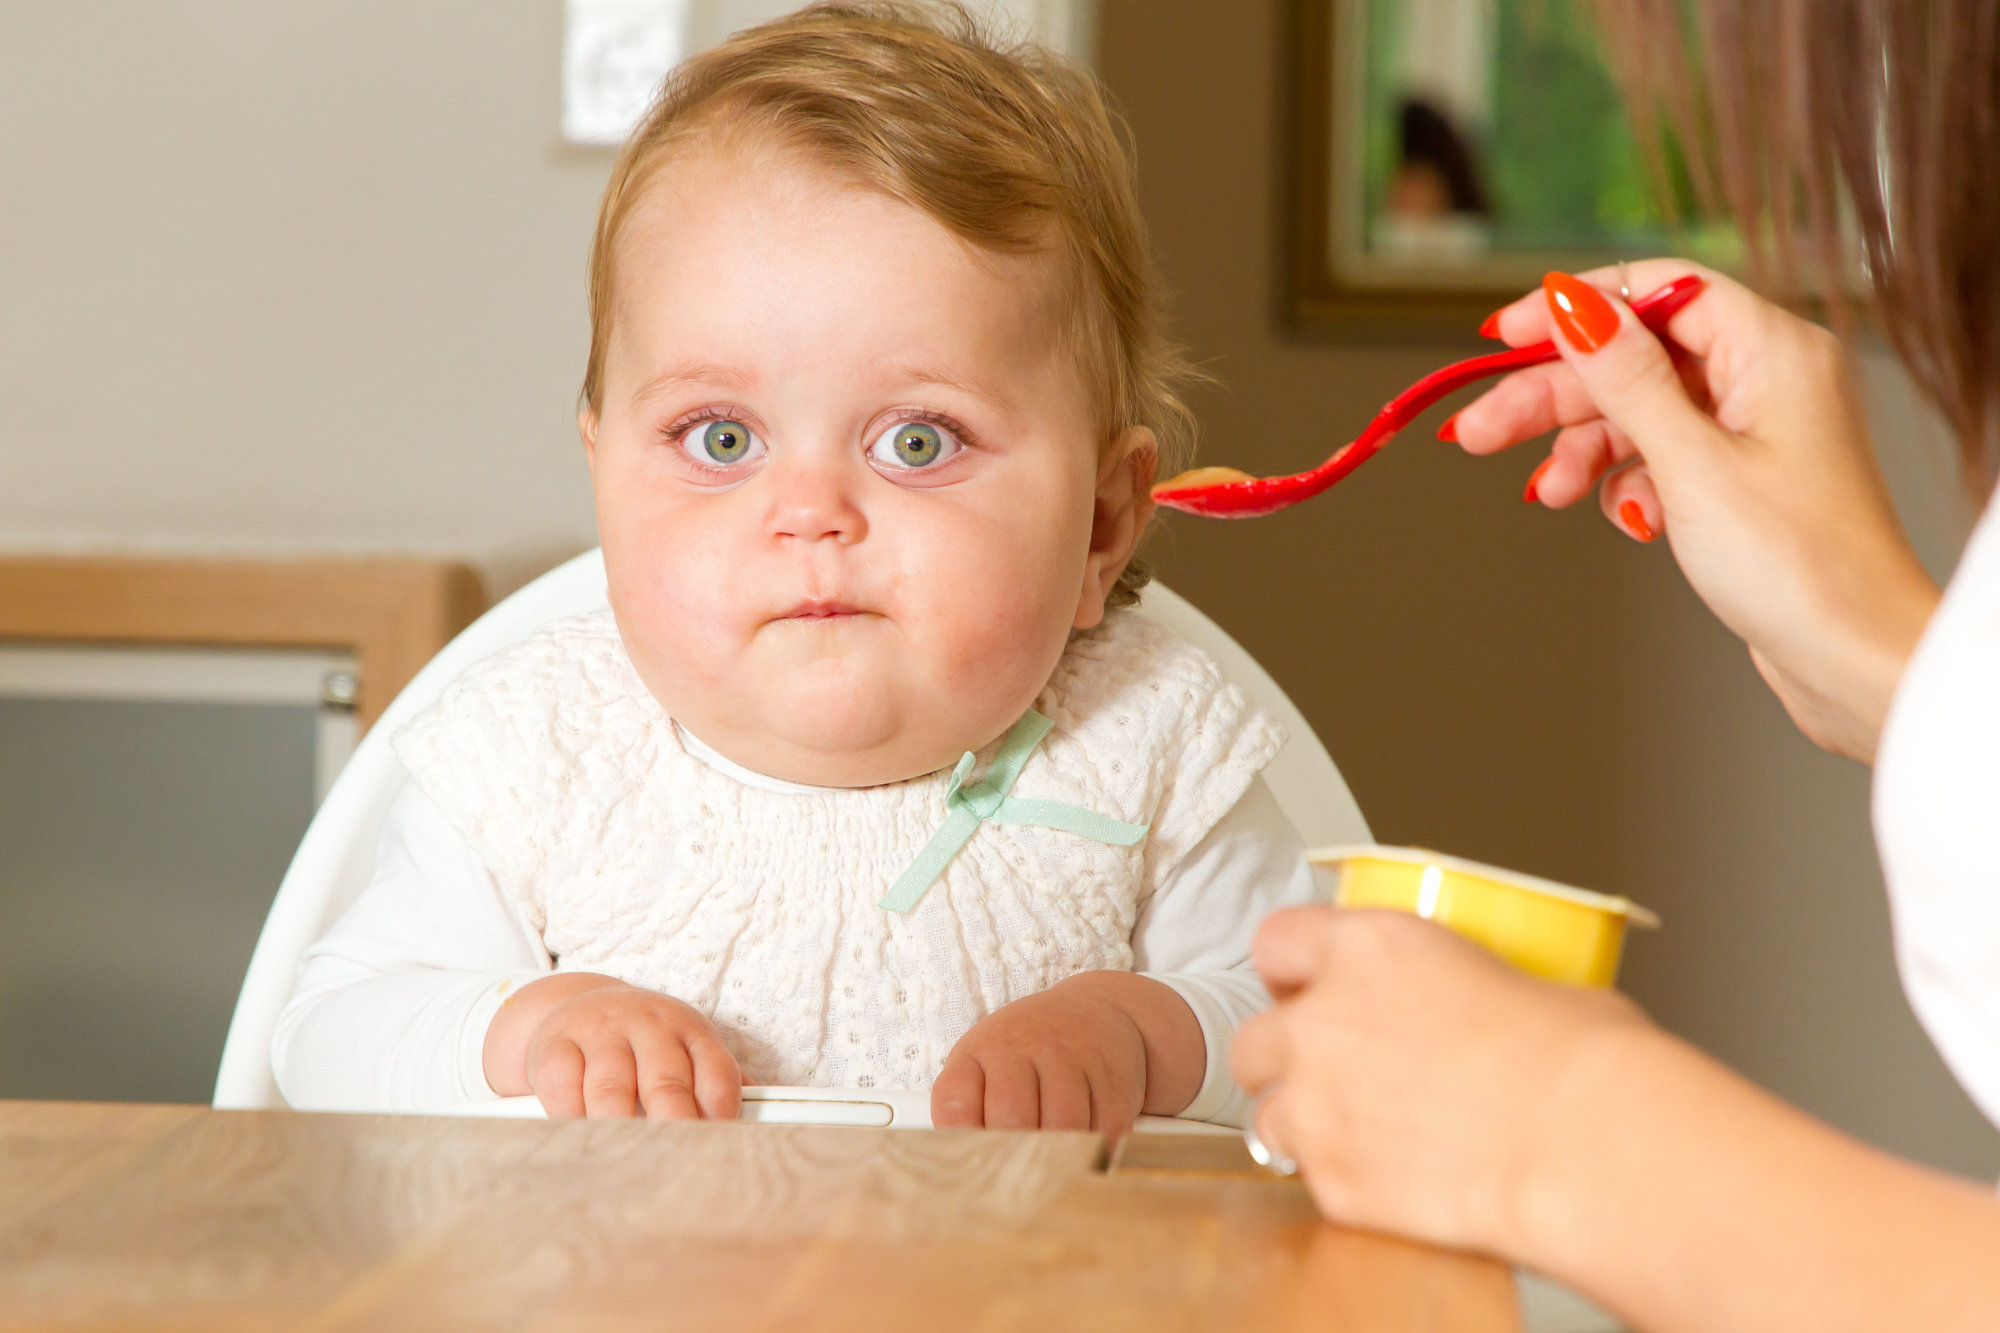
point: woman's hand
(1430, 1090)
(590, 1045)
(1090, 1052)
(1411, 1073)
(1748, 450)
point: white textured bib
(636, 859)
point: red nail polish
(1635, 522)
(1587, 320)
(1448, 432)
(1490, 326)
(1531, 495)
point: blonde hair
(1009, 147)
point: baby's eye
(912, 444)
(721, 443)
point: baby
(870, 776)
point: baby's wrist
(505, 1053)
(1176, 1052)
(1130, 994)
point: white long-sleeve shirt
(1937, 821)
(392, 1004)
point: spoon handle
(1266, 495)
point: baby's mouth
(824, 612)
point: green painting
(1473, 144)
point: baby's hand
(1070, 1057)
(594, 1046)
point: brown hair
(1878, 121)
(1010, 147)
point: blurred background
(307, 280)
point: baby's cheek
(672, 606)
(1001, 621)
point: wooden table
(158, 1217)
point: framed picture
(1447, 153)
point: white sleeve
(1194, 934)
(1937, 821)
(392, 1004)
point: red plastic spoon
(1223, 492)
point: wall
(285, 278)
(1511, 684)
(291, 279)
(302, 278)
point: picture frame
(1445, 154)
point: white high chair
(337, 854)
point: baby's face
(851, 488)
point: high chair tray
(882, 1108)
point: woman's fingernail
(1490, 326)
(1585, 317)
(1448, 432)
(1531, 495)
(1635, 522)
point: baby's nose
(814, 502)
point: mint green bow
(988, 799)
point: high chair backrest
(336, 856)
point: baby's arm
(1194, 934)
(391, 1005)
(396, 1006)
(1097, 1049)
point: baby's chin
(845, 705)
(831, 722)
(842, 746)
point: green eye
(725, 441)
(911, 446)
(916, 445)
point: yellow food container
(1551, 930)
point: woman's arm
(1428, 1089)
(1684, 1197)
(1748, 450)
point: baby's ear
(1124, 505)
(586, 428)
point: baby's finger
(1579, 459)
(1112, 1110)
(1290, 947)
(1066, 1100)
(556, 1077)
(958, 1098)
(610, 1080)
(1013, 1093)
(718, 1080)
(1632, 503)
(666, 1075)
